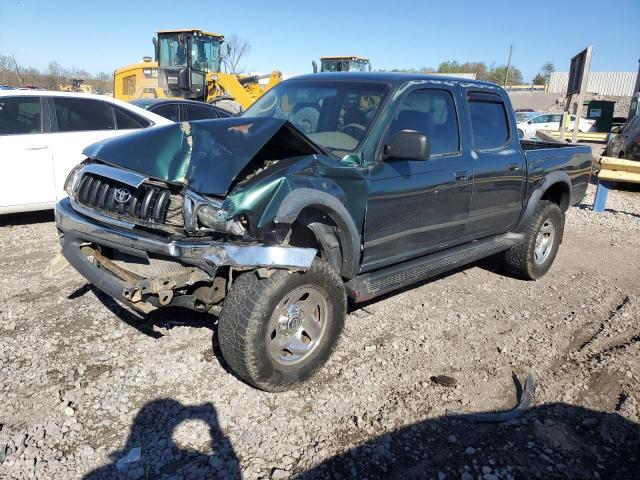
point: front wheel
(532, 259)
(277, 332)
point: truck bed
(574, 159)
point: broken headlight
(210, 213)
(71, 178)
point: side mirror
(529, 122)
(616, 130)
(408, 144)
(315, 66)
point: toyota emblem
(121, 195)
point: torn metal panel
(206, 155)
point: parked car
(181, 110)
(42, 135)
(550, 121)
(525, 116)
(7, 87)
(401, 178)
(625, 141)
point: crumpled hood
(206, 155)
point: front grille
(150, 203)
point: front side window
(173, 51)
(80, 114)
(433, 113)
(19, 115)
(334, 114)
(489, 121)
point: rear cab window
(20, 115)
(490, 128)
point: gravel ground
(90, 389)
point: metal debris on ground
(523, 406)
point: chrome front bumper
(78, 227)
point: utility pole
(506, 73)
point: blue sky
(287, 35)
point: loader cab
(185, 57)
(345, 64)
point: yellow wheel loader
(77, 85)
(351, 63)
(188, 65)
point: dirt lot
(85, 383)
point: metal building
(602, 83)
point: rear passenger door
(25, 154)
(498, 166)
(419, 206)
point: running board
(372, 284)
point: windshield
(333, 114)
(359, 66)
(205, 54)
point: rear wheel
(532, 259)
(277, 332)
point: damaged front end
(150, 219)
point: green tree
(547, 69)
(497, 75)
(539, 79)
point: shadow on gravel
(166, 318)
(169, 317)
(151, 452)
(552, 441)
(27, 218)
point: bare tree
(17, 69)
(237, 49)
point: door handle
(461, 176)
(514, 167)
(37, 147)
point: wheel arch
(301, 208)
(555, 187)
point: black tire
(246, 335)
(523, 261)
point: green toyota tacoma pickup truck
(331, 186)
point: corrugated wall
(603, 83)
(466, 76)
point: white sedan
(550, 121)
(43, 134)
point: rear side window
(80, 114)
(489, 121)
(433, 113)
(200, 112)
(20, 115)
(127, 121)
(170, 111)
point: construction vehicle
(351, 63)
(77, 85)
(188, 65)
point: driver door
(417, 207)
